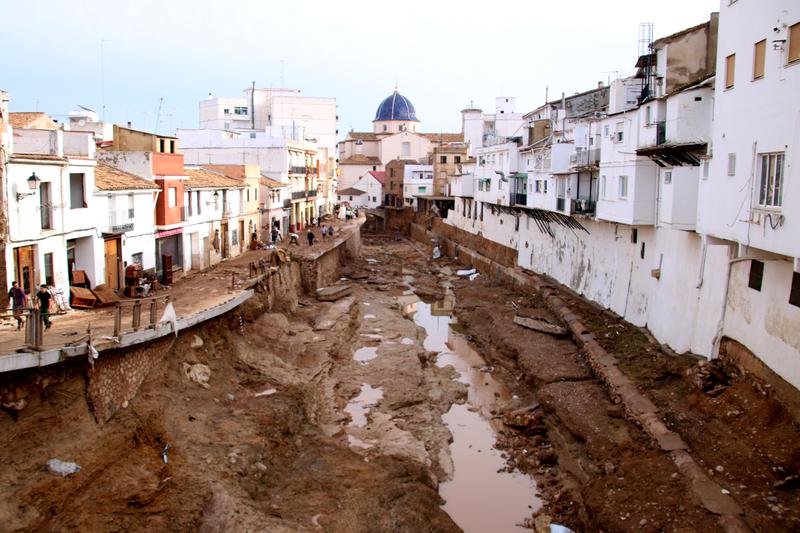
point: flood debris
(198, 373)
(62, 468)
(334, 292)
(540, 325)
(466, 272)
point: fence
(135, 307)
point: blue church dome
(396, 107)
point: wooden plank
(540, 325)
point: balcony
(120, 221)
(303, 195)
(287, 203)
(585, 158)
(298, 170)
(519, 198)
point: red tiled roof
(200, 178)
(33, 119)
(360, 159)
(444, 137)
(379, 175)
(107, 178)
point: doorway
(24, 263)
(225, 251)
(113, 258)
(241, 236)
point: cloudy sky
(442, 55)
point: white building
(85, 119)
(417, 181)
(481, 129)
(366, 192)
(53, 229)
(749, 197)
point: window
(162, 145)
(634, 236)
(443, 159)
(458, 159)
(48, 269)
(248, 194)
(648, 115)
(481, 211)
(730, 70)
(406, 151)
(172, 147)
(422, 189)
(138, 258)
(384, 127)
(759, 53)
(172, 197)
(623, 186)
(131, 211)
(605, 131)
(667, 177)
(602, 187)
(731, 164)
(794, 292)
(771, 182)
(794, 43)
(226, 111)
(197, 196)
(77, 197)
(227, 125)
(351, 198)
(756, 275)
(187, 202)
(239, 110)
(45, 206)
(619, 132)
(641, 252)
(252, 135)
(545, 186)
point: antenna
(158, 114)
(646, 63)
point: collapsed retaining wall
(323, 268)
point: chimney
(600, 85)
(129, 123)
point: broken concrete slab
(540, 325)
(332, 314)
(333, 293)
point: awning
(675, 155)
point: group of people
(19, 301)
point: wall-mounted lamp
(33, 184)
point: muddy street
(409, 402)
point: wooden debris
(333, 293)
(540, 325)
(82, 298)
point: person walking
(43, 298)
(310, 236)
(324, 231)
(18, 298)
(330, 231)
(276, 235)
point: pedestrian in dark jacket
(18, 299)
(43, 298)
(310, 237)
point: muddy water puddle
(479, 497)
(358, 408)
(365, 354)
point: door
(24, 259)
(224, 236)
(113, 255)
(241, 236)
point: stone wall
(114, 379)
(452, 238)
(325, 268)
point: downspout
(721, 324)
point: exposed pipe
(721, 323)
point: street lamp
(33, 184)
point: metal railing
(585, 158)
(135, 307)
(119, 221)
(519, 198)
(297, 170)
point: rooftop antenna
(646, 62)
(158, 114)
(102, 80)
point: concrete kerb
(638, 407)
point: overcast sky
(442, 54)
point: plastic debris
(437, 252)
(199, 373)
(558, 528)
(62, 468)
(268, 392)
(467, 272)
(475, 275)
(171, 317)
(164, 454)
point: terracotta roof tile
(269, 182)
(350, 191)
(107, 178)
(200, 178)
(444, 137)
(362, 135)
(379, 175)
(33, 119)
(232, 171)
(360, 159)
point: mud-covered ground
(278, 442)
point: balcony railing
(583, 207)
(585, 158)
(661, 132)
(297, 170)
(561, 204)
(518, 198)
(120, 221)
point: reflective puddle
(358, 408)
(365, 354)
(479, 498)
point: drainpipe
(720, 325)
